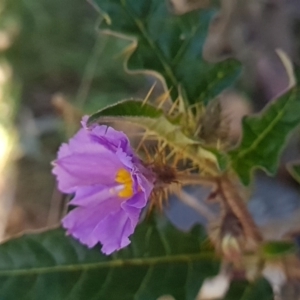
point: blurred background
(54, 66)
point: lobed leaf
(160, 260)
(168, 46)
(265, 135)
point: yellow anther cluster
(124, 177)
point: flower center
(124, 177)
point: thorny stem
(235, 203)
(223, 187)
(196, 179)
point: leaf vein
(262, 136)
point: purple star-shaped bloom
(110, 184)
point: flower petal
(81, 222)
(145, 185)
(112, 137)
(113, 231)
(84, 169)
(90, 196)
(137, 201)
(88, 166)
(81, 142)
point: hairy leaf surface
(162, 128)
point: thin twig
(236, 204)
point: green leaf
(160, 260)
(243, 290)
(294, 170)
(169, 46)
(127, 108)
(157, 124)
(146, 116)
(278, 249)
(265, 135)
(236, 290)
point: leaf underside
(161, 128)
(159, 261)
(265, 135)
(169, 45)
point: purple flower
(110, 184)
